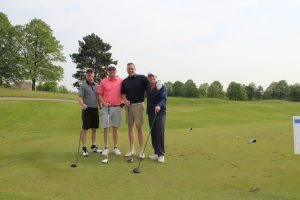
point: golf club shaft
(147, 139)
(83, 115)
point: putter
(74, 164)
(130, 160)
(137, 169)
(105, 161)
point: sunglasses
(112, 70)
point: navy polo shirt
(134, 88)
(155, 98)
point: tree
(250, 89)
(62, 89)
(50, 86)
(203, 88)
(10, 69)
(40, 52)
(259, 93)
(169, 87)
(190, 89)
(283, 90)
(92, 53)
(295, 92)
(215, 90)
(271, 92)
(236, 92)
(178, 90)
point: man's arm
(123, 92)
(163, 99)
(82, 104)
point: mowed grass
(213, 161)
(8, 92)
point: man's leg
(131, 136)
(94, 136)
(115, 136)
(105, 137)
(139, 128)
(160, 123)
(153, 133)
(83, 137)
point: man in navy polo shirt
(133, 94)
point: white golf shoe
(142, 155)
(130, 153)
(96, 150)
(153, 156)
(161, 159)
(105, 151)
(85, 153)
(117, 151)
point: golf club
(74, 164)
(105, 161)
(137, 169)
(130, 160)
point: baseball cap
(151, 73)
(89, 70)
(111, 67)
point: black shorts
(90, 117)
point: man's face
(90, 75)
(131, 70)
(151, 78)
(112, 72)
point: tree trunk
(33, 84)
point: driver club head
(73, 165)
(104, 161)
(136, 170)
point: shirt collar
(87, 82)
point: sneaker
(142, 155)
(96, 150)
(129, 154)
(105, 151)
(85, 153)
(161, 159)
(117, 151)
(153, 156)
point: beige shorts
(135, 114)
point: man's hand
(157, 109)
(127, 103)
(84, 106)
(106, 104)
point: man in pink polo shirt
(109, 92)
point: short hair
(130, 64)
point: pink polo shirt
(110, 89)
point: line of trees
(29, 52)
(236, 91)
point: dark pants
(158, 133)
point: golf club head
(73, 165)
(130, 160)
(104, 161)
(136, 170)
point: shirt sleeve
(145, 81)
(123, 89)
(81, 90)
(163, 97)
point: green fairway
(212, 162)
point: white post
(296, 123)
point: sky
(226, 40)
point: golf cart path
(34, 99)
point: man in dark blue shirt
(133, 94)
(156, 111)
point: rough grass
(7, 92)
(211, 162)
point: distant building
(22, 85)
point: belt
(114, 106)
(137, 103)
